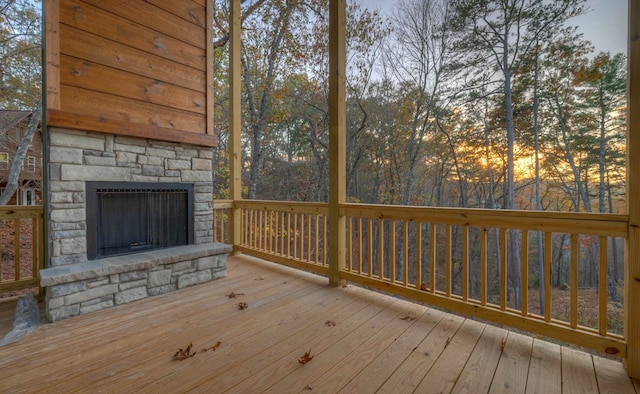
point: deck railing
(462, 260)
(21, 247)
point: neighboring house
(13, 126)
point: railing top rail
(565, 222)
(615, 225)
(292, 206)
(222, 204)
(9, 212)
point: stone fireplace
(129, 218)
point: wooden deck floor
(361, 342)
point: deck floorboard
(361, 342)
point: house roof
(8, 119)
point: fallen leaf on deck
(504, 342)
(308, 387)
(234, 295)
(214, 347)
(242, 305)
(259, 278)
(423, 286)
(305, 358)
(184, 354)
(448, 341)
(408, 318)
(330, 323)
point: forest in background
(450, 103)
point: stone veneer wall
(76, 157)
(75, 285)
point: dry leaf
(308, 387)
(242, 305)
(184, 354)
(234, 295)
(448, 341)
(408, 318)
(423, 286)
(214, 347)
(259, 278)
(330, 323)
(305, 358)
(504, 342)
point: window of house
(28, 196)
(31, 164)
(4, 160)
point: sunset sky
(605, 26)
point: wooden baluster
(317, 239)
(433, 250)
(349, 255)
(418, 255)
(405, 252)
(324, 243)
(360, 262)
(548, 255)
(381, 248)
(392, 251)
(370, 245)
(465, 263)
(524, 274)
(503, 269)
(483, 266)
(16, 248)
(309, 227)
(448, 259)
(34, 248)
(602, 286)
(289, 234)
(575, 254)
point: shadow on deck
(361, 341)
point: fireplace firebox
(128, 217)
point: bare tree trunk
(21, 153)
(259, 110)
(536, 145)
(514, 245)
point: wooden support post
(337, 139)
(235, 124)
(632, 266)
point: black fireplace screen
(125, 218)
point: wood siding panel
(133, 68)
(154, 18)
(187, 10)
(76, 43)
(91, 103)
(83, 74)
(96, 21)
